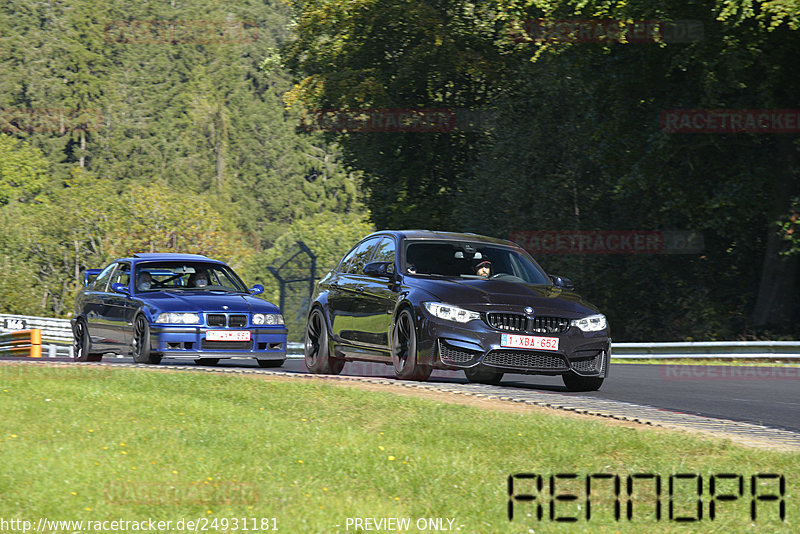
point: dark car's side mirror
(119, 288)
(383, 269)
(257, 289)
(563, 283)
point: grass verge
(93, 444)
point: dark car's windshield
(186, 276)
(461, 259)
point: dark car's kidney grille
(517, 322)
(525, 360)
(237, 321)
(215, 319)
(591, 365)
(226, 345)
(549, 325)
(455, 355)
(513, 322)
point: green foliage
(119, 133)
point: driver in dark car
(484, 269)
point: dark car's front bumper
(266, 343)
(451, 345)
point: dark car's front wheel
(141, 342)
(483, 375)
(83, 343)
(316, 348)
(576, 382)
(404, 349)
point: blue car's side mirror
(119, 288)
(257, 289)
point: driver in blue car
(484, 269)
(144, 281)
(198, 279)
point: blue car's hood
(483, 294)
(209, 302)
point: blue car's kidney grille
(237, 321)
(525, 360)
(215, 319)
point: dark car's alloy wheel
(483, 375)
(141, 342)
(317, 349)
(83, 344)
(576, 382)
(404, 349)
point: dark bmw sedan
(154, 305)
(423, 300)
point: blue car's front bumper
(266, 343)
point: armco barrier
(22, 343)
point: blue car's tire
(404, 349)
(83, 343)
(141, 342)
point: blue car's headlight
(593, 323)
(178, 318)
(267, 318)
(451, 313)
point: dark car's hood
(208, 301)
(500, 294)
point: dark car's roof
(449, 236)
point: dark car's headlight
(178, 318)
(451, 313)
(267, 318)
(593, 323)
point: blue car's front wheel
(141, 342)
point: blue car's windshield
(186, 276)
(464, 260)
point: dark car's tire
(316, 349)
(83, 343)
(141, 342)
(207, 361)
(576, 382)
(404, 349)
(270, 363)
(483, 375)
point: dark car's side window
(122, 275)
(385, 252)
(101, 282)
(361, 256)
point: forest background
(184, 126)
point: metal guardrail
(27, 343)
(782, 350)
(58, 333)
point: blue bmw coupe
(159, 305)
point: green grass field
(242, 453)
